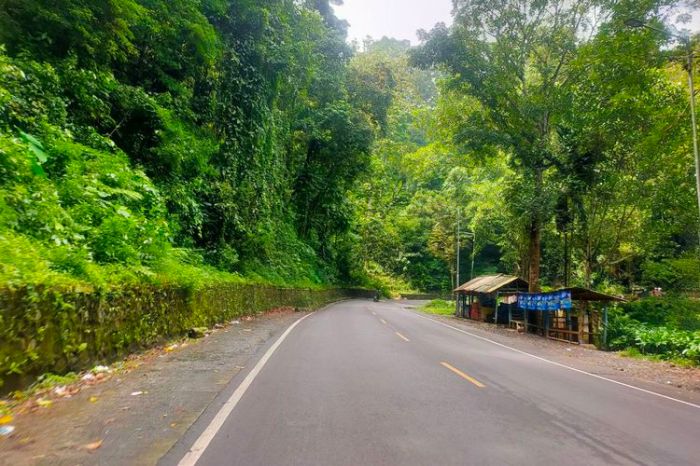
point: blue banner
(565, 298)
(541, 301)
(545, 301)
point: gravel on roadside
(135, 416)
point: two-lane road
(364, 383)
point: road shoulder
(136, 417)
(662, 377)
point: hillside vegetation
(193, 142)
(177, 141)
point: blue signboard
(565, 298)
(541, 301)
(545, 301)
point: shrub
(625, 332)
(672, 274)
(440, 306)
(672, 312)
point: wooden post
(495, 314)
(605, 327)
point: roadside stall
(490, 298)
(567, 315)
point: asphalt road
(365, 383)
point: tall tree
(513, 57)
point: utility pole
(471, 273)
(459, 233)
(696, 153)
(459, 246)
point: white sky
(399, 19)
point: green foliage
(592, 127)
(665, 327)
(132, 129)
(439, 307)
(373, 277)
(49, 381)
(399, 204)
(156, 156)
(60, 330)
(673, 312)
(672, 274)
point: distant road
(365, 383)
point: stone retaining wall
(44, 330)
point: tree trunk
(535, 237)
(588, 262)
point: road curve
(365, 383)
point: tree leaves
(37, 149)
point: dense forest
(153, 140)
(559, 135)
(202, 140)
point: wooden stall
(490, 298)
(579, 323)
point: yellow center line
(402, 337)
(374, 313)
(463, 375)
(382, 321)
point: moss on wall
(46, 330)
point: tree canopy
(152, 139)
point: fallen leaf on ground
(44, 403)
(93, 446)
(93, 399)
(136, 393)
(6, 419)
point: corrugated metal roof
(584, 294)
(490, 283)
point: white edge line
(688, 403)
(193, 455)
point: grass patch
(439, 307)
(634, 353)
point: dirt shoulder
(662, 377)
(135, 416)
